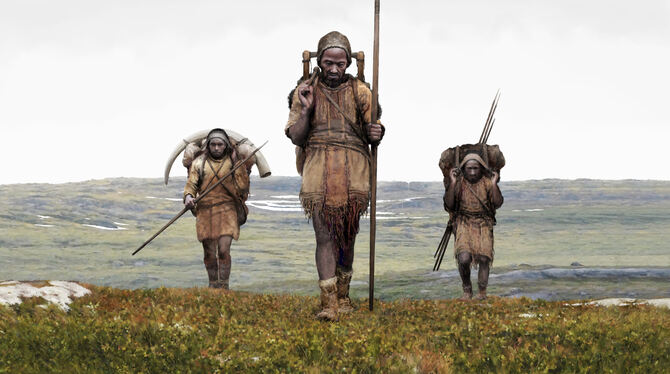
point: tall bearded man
(330, 121)
(473, 199)
(218, 214)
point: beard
(473, 179)
(332, 82)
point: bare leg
(326, 264)
(346, 257)
(224, 260)
(326, 249)
(209, 249)
(464, 261)
(483, 276)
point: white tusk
(261, 162)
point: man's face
(473, 171)
(334, 64)
(216, 148)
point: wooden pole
(373, 163)
(181, 213)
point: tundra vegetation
(201, 330)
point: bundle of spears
(452, 157)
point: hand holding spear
(200, 196)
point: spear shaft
(200, 196)
(373, 161)
(488, 124)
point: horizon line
(255, 176)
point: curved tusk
(261, 162)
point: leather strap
(488, 211)
(353, 124)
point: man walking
(330, 120)
(473, 199)
(220, 213)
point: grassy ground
(201, 330)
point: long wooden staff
(373, 161)
(200, 196)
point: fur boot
(343, 300)
(328, 299)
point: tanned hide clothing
(474, 224)
(336, 171)
(215, 213)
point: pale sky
(96, 89)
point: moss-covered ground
(200, 330)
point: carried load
(250, 156)
(453, 158)
(491, 154)
(194, 145)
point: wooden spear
(181, 213)
(373, 161)
(488, 124)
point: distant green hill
(86, 232)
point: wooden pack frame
(307, 57)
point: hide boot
(343, 300)
(223, 284)
(467, 292)
(329, 304)
(482, 294)
(482, 281)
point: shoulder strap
(486, 208)
(351, 123)
(201, 170)
(359, 110)
(198, 164)
(216, 172)
(236, 199)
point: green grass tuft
(201, 330)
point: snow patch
(43, 225)
(402, 200)
(105, 227)
(659, 303)
(400, 218)
(277, 205)
(164, 198)
(59, 292)
(43, 217)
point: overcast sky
(95, 89)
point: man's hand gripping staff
(306, 95)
